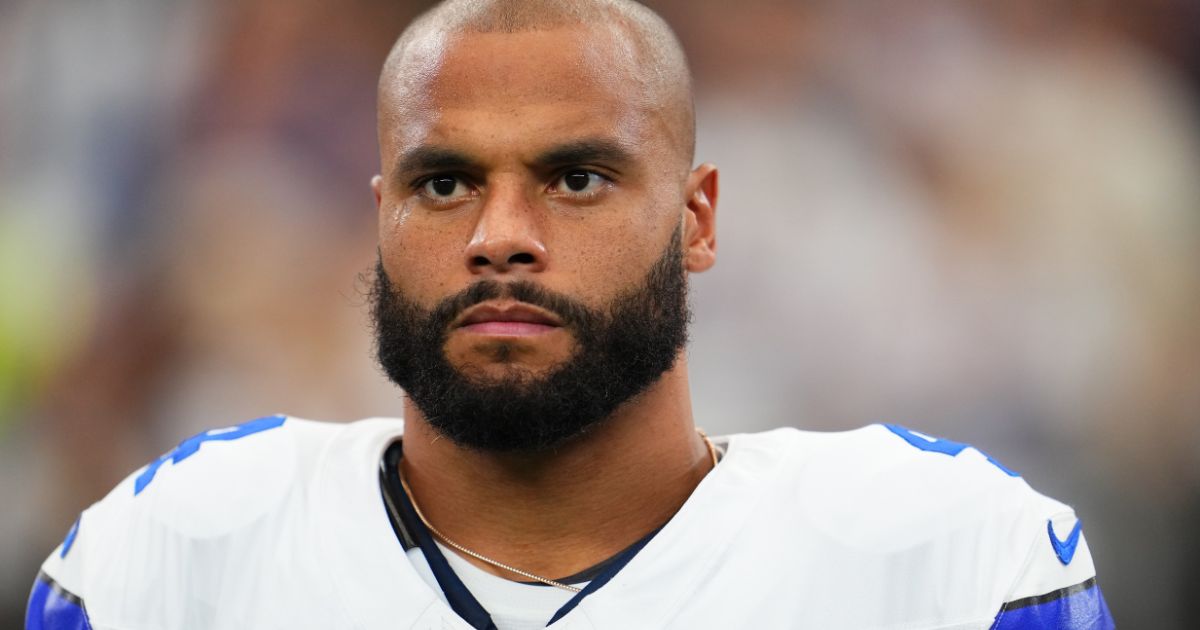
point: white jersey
(282, 523)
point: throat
(562, 512)
(559, 557)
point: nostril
(523, 258)
(480, 261)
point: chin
(507, 361)
(507, 374)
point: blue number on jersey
(51, 607)
(940, 445)
(189, 446)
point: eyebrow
(428, 158)
(431, 158)
(585, 151)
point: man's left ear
(700, 219)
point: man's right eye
(444, 188)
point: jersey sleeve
(114, 567)
(1057, 588)
(53, 606)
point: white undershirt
(512, 605)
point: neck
(560, 512)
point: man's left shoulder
(910, 475)
(956, 521)
(897, 488)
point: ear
(700, 220)
(377, 188)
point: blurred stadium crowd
(978, 219)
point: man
(538, 212)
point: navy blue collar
(411, 532)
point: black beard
(619, 352)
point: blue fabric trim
(188, 447)
(927, 443)
(1065, 549)
(53, 608)
(457, 595)
(1079, 610)
(70, 539)
(602, 579)
(943, 446)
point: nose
(507, 236)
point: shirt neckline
(407, 524)
(350, 531)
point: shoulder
(243, 469)
(887, 467)
(224, 478)
(891, 486)
(226, 492)
(952, 518)
(217, 479)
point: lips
(512, 318)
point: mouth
(507, 319)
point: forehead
(524, 88)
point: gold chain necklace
(712, 453)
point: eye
(444, 188)
(580, 182)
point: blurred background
(977, 219)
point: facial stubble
(620, 350)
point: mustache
(569, 310)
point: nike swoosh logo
(1065, 549)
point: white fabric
(1046, 573)
(286, 529)
(512, 605)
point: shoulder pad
(889, 487)
(198, 505)
(210, 484)
(219, 479)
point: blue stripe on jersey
(70, 539)
(607, 574)
(1079, 607)
(933, 444)
(457, 594)
(51, 607)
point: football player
(539, 213)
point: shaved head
(641, 44)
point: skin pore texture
(550, 143)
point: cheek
(608, 259)
(420, 259)
(393, 223)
